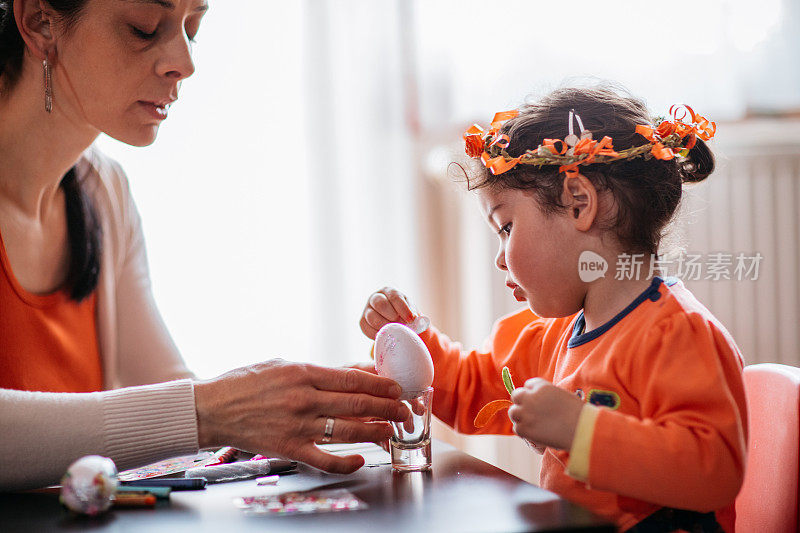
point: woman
(80, 335)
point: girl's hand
(545, 414)
(383, 307)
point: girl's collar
(651, 293)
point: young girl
(634, 390)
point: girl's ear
(580, 197)
(35, 19)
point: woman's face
(120, 66)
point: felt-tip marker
(134, 500)
(175, 483)
(162, 493)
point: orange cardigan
(670, 424)
(48, 343)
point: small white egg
(89, 485)
(402, 356)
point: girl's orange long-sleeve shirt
(664, 384)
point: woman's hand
(280, 408)
(545, 414)
(383, 307)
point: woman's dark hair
(646, 191)
(12, 47)
(85, 236)
(83, 225)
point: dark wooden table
(460, 493)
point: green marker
(507, 380)
(162, 493)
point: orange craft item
(489, 410)
(493, 407)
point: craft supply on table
(134, 500)
(308, 502)
(268, 480)
(402, 356)
(89, 485)
(175, 465)
(162, 493)
(175, 483)
(225, 455)
(242, 470)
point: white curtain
(280, 192)
(362, 166)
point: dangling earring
(48, 86)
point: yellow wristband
(581, 449)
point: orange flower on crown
(473, 141)
(699, 126)
(475, 138)
(665, 129)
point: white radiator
(751, 205)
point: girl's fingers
(413, 308)
(385, 306)
(380, 303)
(366, 329)
(375, 319)
(399, 303)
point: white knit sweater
(131, 422)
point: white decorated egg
(402, 356)
(89, 485)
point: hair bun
(699, 163)
(5, 14)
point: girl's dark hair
(646, 191)
(83, 225)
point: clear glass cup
(410, 446)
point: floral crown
(671, 138)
